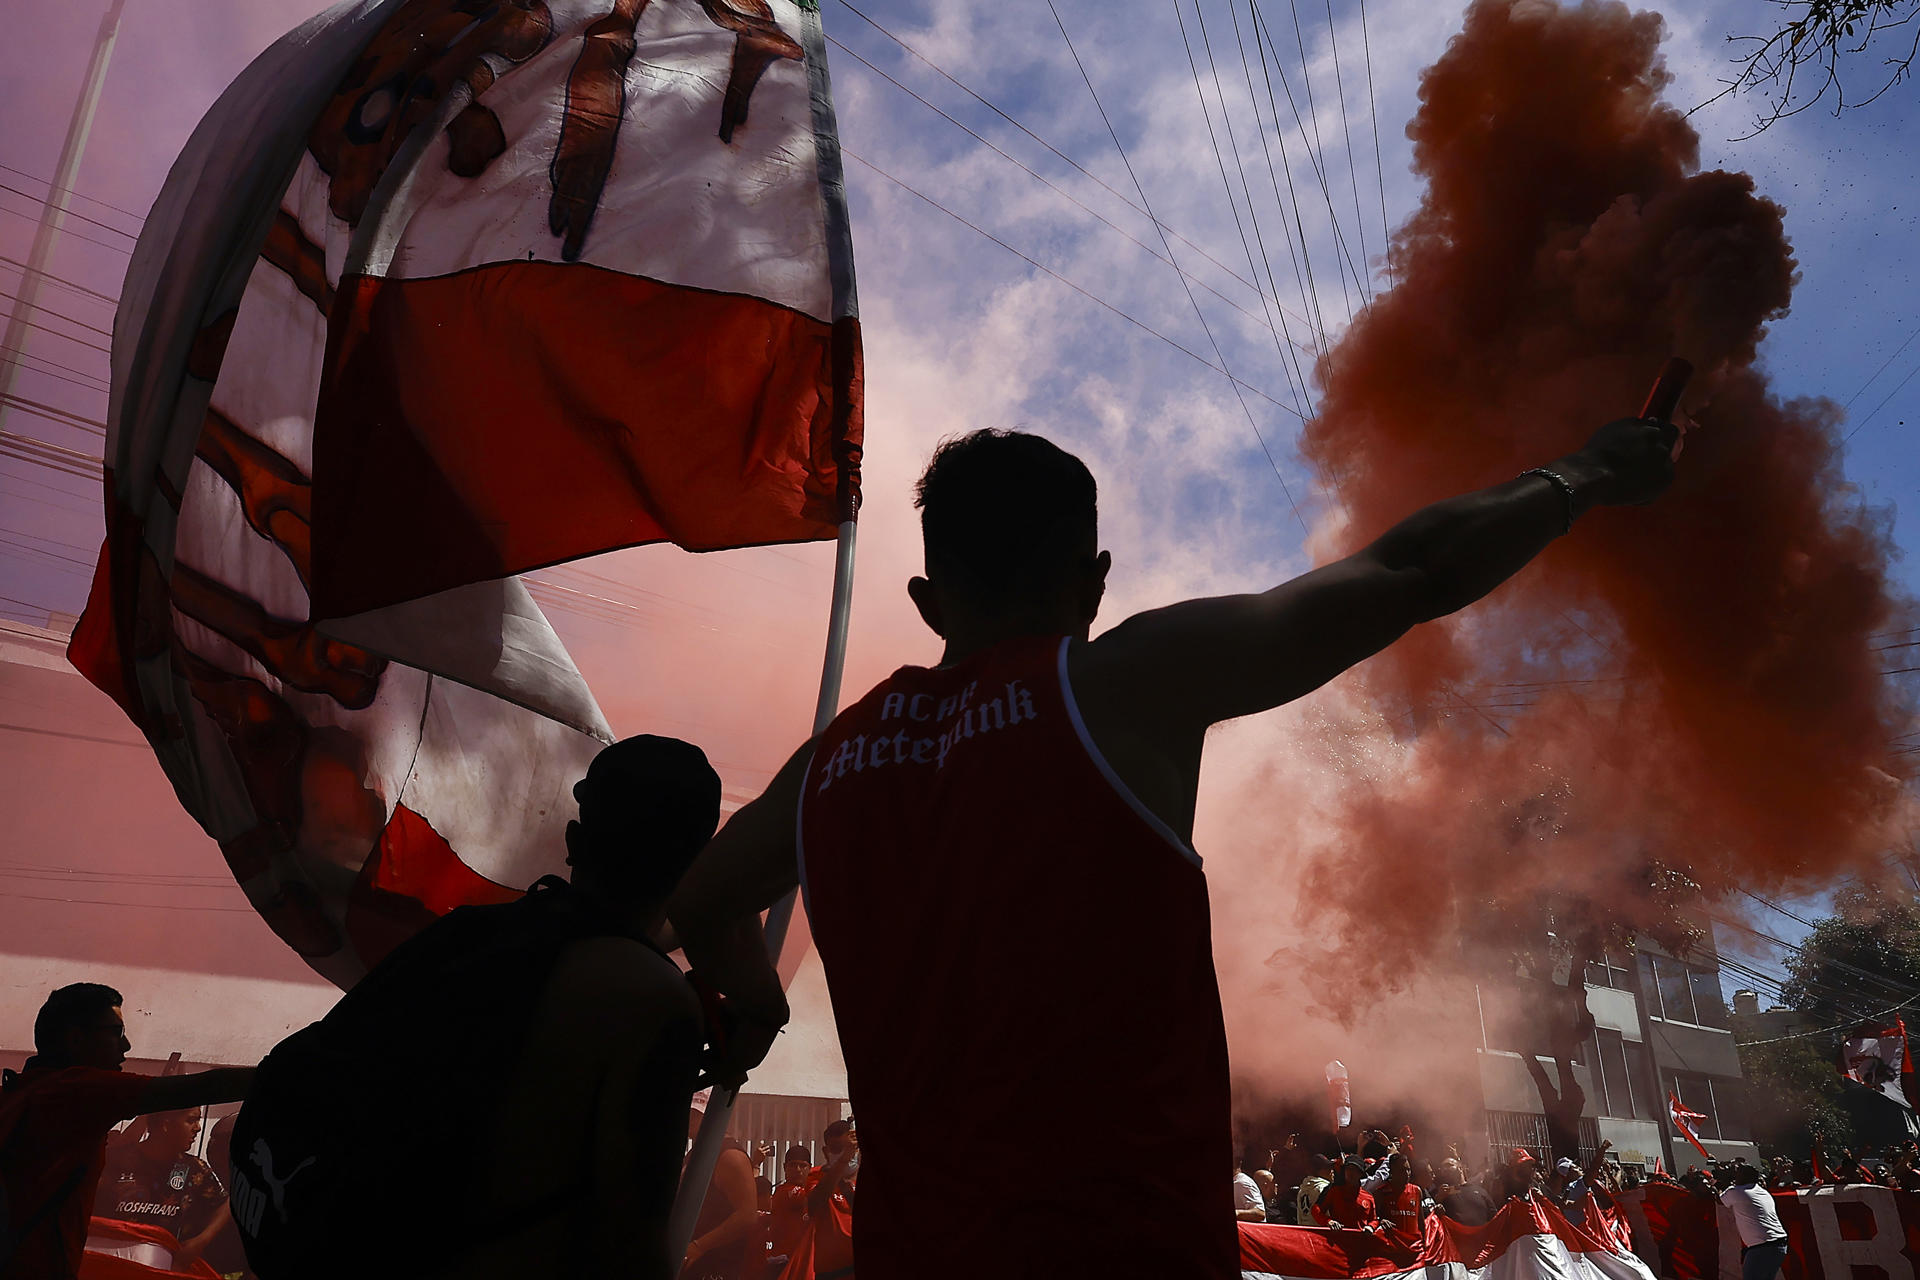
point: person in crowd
(727, 1243)
(56, 1113)
(157, 1181)
(1318, 1178)
(581, 1044)
(1376, 1145)
(831, 1192)
(1521, 1176)
(1289, 1164)
(1038, 756)
(1763, 1241)
(225, 1253)
(1248, 1204)
(787, 1224)
(1346, 1203)
(1848, 1169)
(1399, 1201)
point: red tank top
(1020, 960)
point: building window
(1611, 970)
(1706, 998)
(1646, 1105)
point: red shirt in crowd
(55, 1121)
(788, 1225)
(833, 1230)
(967, 853)
(1401, 1209)
(1348, 1206)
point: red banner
(1834, 1233)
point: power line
(68, 233)
(1220, 161)
(1883, 402)
(1346, 133)
(1194, 302)
(48, 183)
(1261, 28)
(1883, 367)
(1041, 266)
(1309, 292)
(1098, 181)
(34, 324)
(19, 354)
(78, 324)
(68, 213)
(1155, 253)
(63, 282)
(1379, 166)
(47, 410)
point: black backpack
(358, 1150)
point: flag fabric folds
(1878, 1057)
(600, 296)
(439, 291)
(1527, 1240)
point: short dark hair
(1002, 512)
(797, 1152)
(1321, 1162)
(647, 807)
(69, 1009)
(838, 1129)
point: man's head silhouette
(1010, 523)
(647, 806)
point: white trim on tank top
(1072, 705)
(1120, 788)
(799, 831)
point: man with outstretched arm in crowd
(967, 834)
(56, 1112)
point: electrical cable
(1286, 166)
(1102, 218)
(1040, 266)
(1225, 185)
(1194, 302)
(1286, 232)
(1091, 176)
(1379, 166)
(1346, 134)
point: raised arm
(1202, 661)
(715, 913)
(200, 1089)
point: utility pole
(54, 215)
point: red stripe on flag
(525, 413)
(412, 878)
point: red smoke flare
(1694, 681)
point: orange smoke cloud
(1695, 681)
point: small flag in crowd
(1684, 1121)
(1878, 1057)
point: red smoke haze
(1694, 681)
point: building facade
(1661, 1030)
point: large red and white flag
(1527, 1240)
(440, 291)
(1878, 1057)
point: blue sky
(964, 332)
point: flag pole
(847, 377)
(701, 1161)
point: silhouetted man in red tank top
(967, 835)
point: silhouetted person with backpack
(506, 1094)
(55, 1114)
